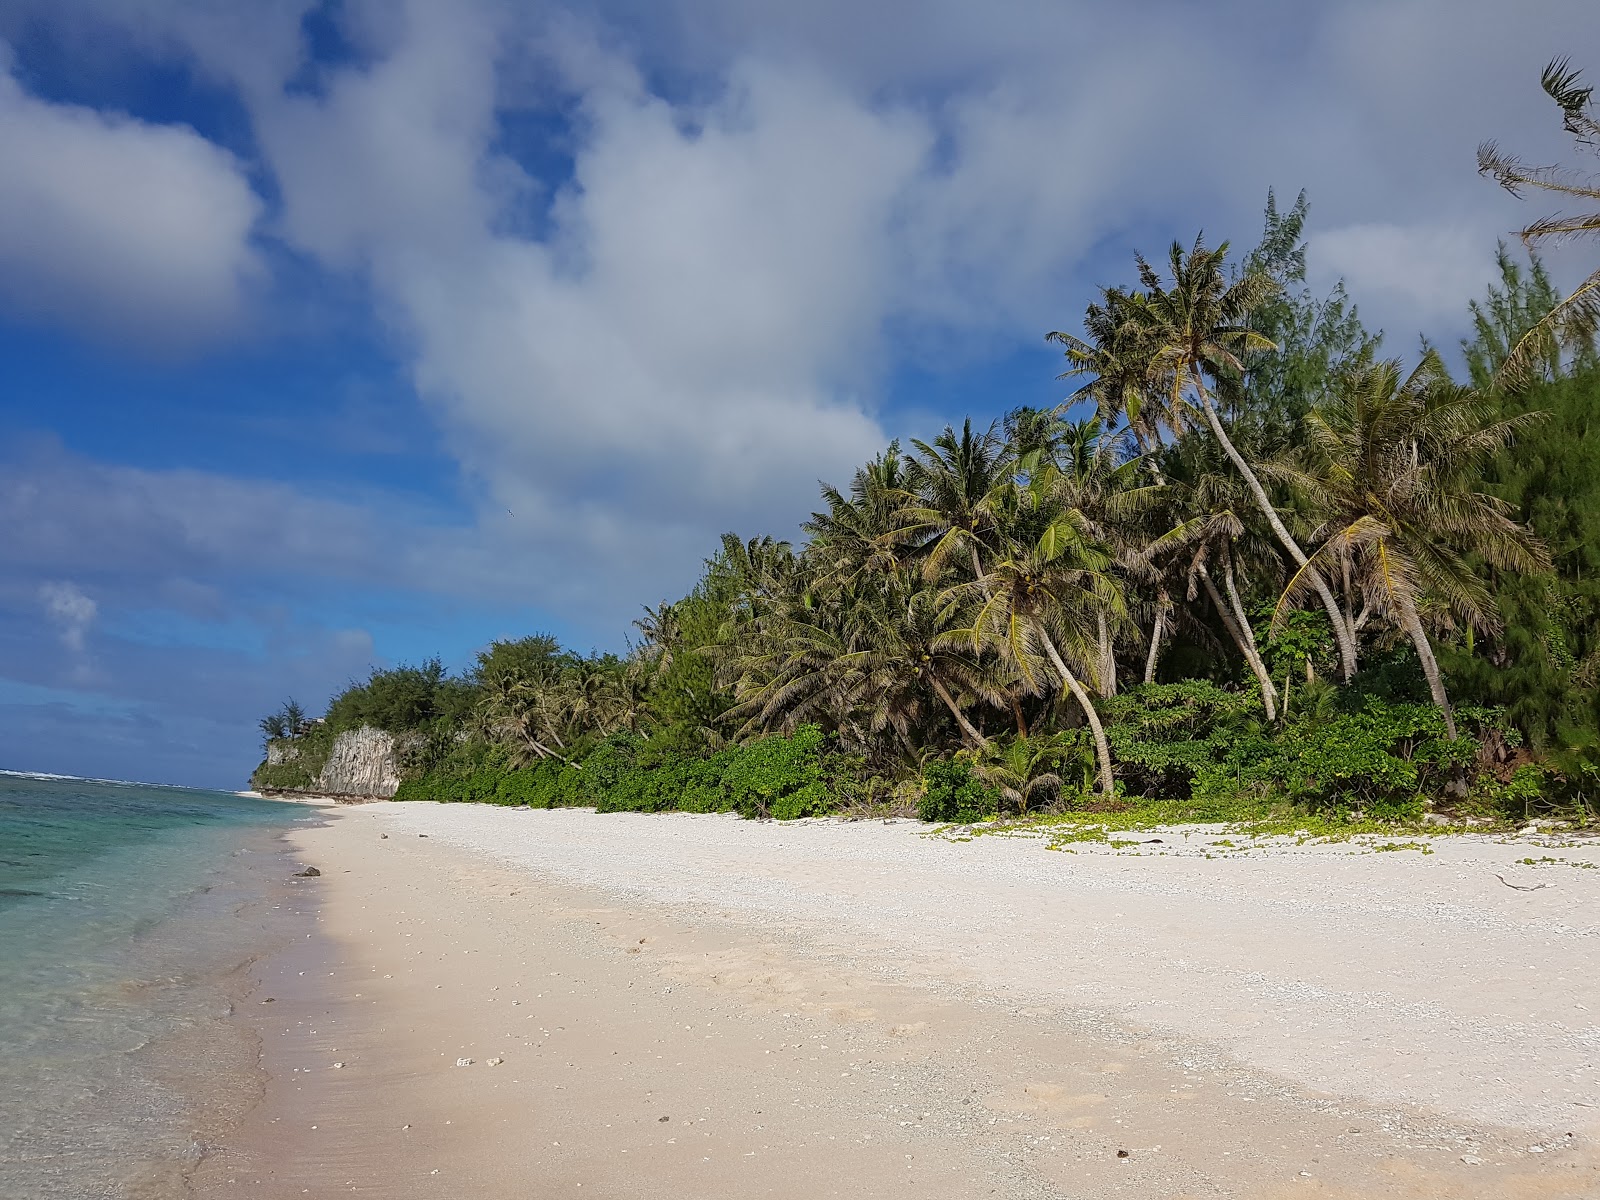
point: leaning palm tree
(1392, 464)
(1197, 329)
(1115, 494)
(1038, 605)
(1574, 321)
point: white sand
(1397, 978)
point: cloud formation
(69, 610)
(134, 231)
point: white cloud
(137, 231)
(73, 612)
(764, 218)
(1425, 272)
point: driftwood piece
(1522, 887)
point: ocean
(130, 916)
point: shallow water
(129, 915)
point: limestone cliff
(358, 764)
(362, 762)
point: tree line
(1251, 556)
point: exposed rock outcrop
(280, 751)
(363, 762)
(359, 764)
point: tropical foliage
(1249, 559)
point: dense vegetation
(1251, 560)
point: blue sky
(342, 334)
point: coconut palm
(1024, 770)
(1117, 354)
(879, 656)
(1197, 329)
(1574, 321)
(1039, 602)
(1116, 495)
(1211, 546)
(856, 533)
(947, 513)
(1392, 462)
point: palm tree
(661, 628)
(1392, 463)
(1041, 598)
(1197, 328)
(948, 503)
(1023, 771)
(856, 533)
(1576, 319)
(1116, 352)
(1207, 511)
(1114, 494)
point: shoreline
(803, 941)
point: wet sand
(693, 1006)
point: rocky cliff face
(362, 763)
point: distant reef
(358, 764)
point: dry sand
(694, 1006)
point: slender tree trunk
(1154, 656)
(1412, 624)
(1016, 711)
(1108, 658)
(1341, 633)
(1232, 587)
(1269, 696)
(1102, 748)
(967, 726)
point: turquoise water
(129, 915)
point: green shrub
(952, 793)
(282, 777)
(781, 777)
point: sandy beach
(499, 1003)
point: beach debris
(663, 1118)
(383, 837)
(337, 1065)
(1122, 1154)
(270, 1000)
(463, 1062)
(422, 835)
(495, 1062)
(308, 873)
(1522, 887)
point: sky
(336, 335)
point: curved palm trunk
(1269, 694)
(1269, 690)
(1102, 748)
(967, 726)
(1341, 632)
(1412, 624)
(1156, 634)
